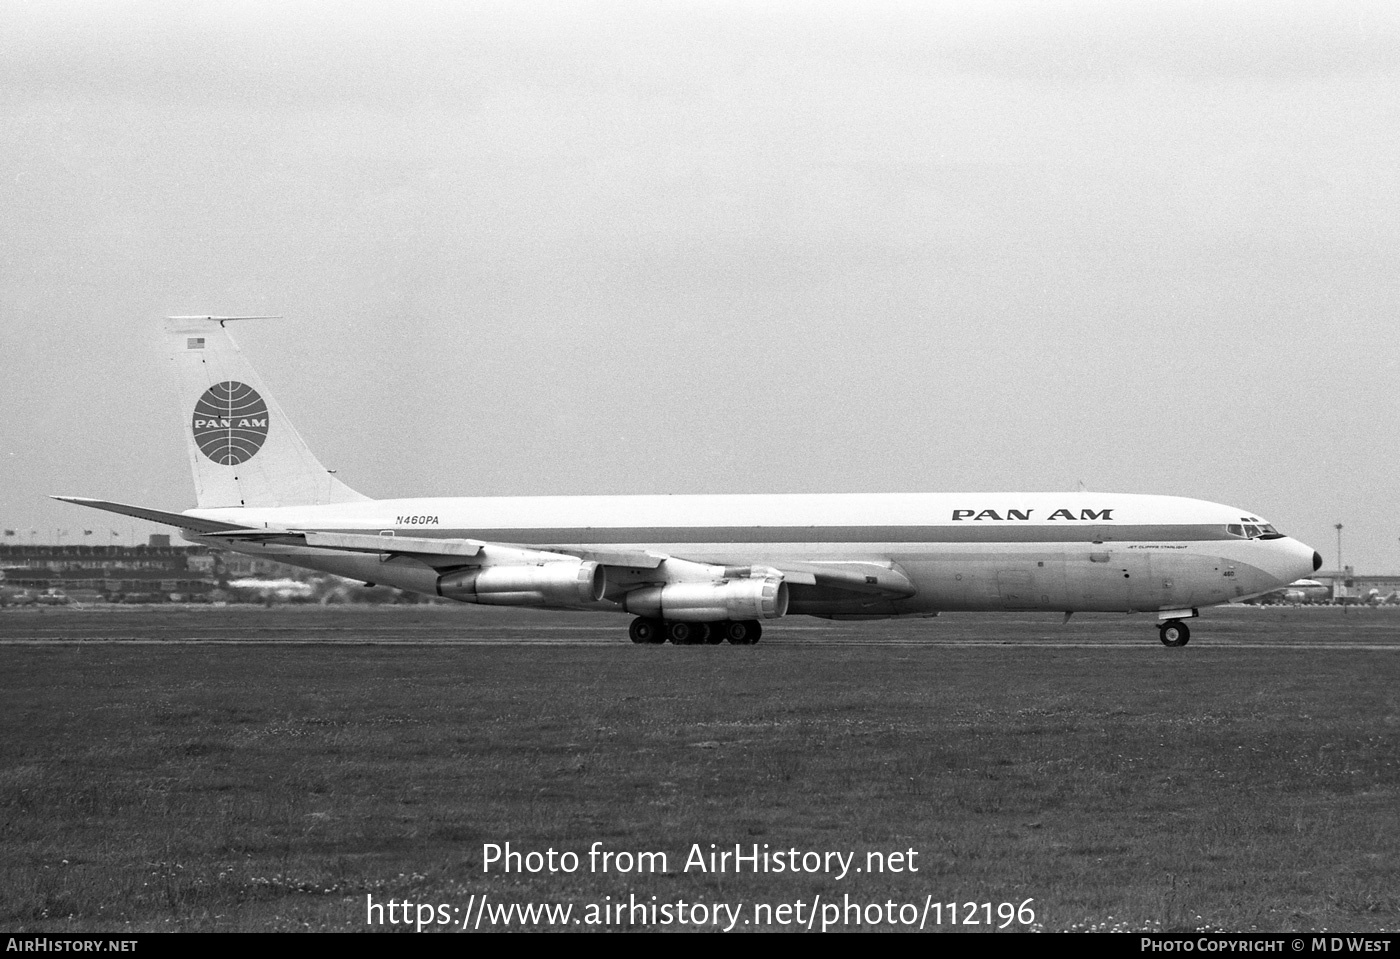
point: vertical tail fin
(243, 449)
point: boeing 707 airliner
(702, 568)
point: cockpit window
(1253, 530)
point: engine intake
(548, 584)
(764, 598)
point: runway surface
(1295, 628)
(212, 768)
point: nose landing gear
(1174, 633)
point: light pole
(1339, 547)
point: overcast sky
(533, 248)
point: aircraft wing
(457, 549)
(631, 559)
(884, 579)
(446, 553)
(881, 579)
(873, 578)
(436, 553)
(450, 552)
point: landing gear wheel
(699, 634)
(681, 634)
(743, 632)
(736, 632)
(715, 633)
(644, 630)
(1174, 633)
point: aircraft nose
(1308, 559)
(1293, 560)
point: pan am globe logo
(230, 423)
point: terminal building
(1348, 586)
(157, 572)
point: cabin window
(1235, 529)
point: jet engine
(546, 584)
(760, 598)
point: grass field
(288, 763)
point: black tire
(699, 634)
(680, 634)
(737, 633)
(715, 636)
(644, 631)
(1174, 633)
(755, 630)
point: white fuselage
(1065, 552)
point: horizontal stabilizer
(179, 520)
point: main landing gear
(1174, 633)
(738, 632)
